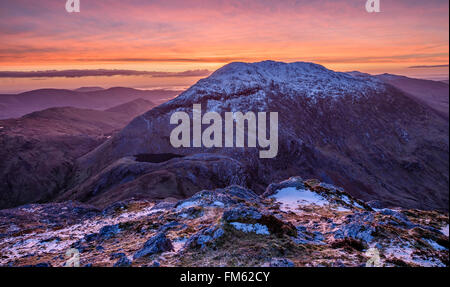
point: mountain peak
(298, 79)
(268, 68)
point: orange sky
(179, 35)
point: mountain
(295, 222)
(353, 131)
(13, 106)
(136, 107)
(38, 149)
(432, 93)
(88, 89)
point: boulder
(156, 244)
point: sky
(188, 38)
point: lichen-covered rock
(205, 237)
(280, 262)
(157, 244)
(295, 182)
(106, 232)
(123, 262)
(358, 226)
(241, 213)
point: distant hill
(434, 94)
(14, 106)
(88, 89)
(138, 106)
(38, 149)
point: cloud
(101, 72)
(429, 66)
(179, 60)
(153, 35)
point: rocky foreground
(294, 223)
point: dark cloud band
(434, 66)
(101, 72)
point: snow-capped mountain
(296, 79)
(353, 131)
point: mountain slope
(136, 107)
(355, 132)
(432, 93)
(38, 149)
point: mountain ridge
(39, 148)
(13, 106)
(359, 133)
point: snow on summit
(294, 79)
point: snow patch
(291, 197)
(435, 245)
(444, 230)
(255, 228)
(406, 253)
(187, 204)
(218, 203)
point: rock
(106, 232)
(296, 182)
(280, 262)
(243, 193)
(220, 198)
(80, 246)
(400, 218)
(117, 255)
(318, 236)
(109, 231)
(115, 208)
(305, 237)
(349, 244)
(55, 238)
(170, 225)
(40, 265)
(254, 228)
(155, 264)
(204, 237)
(123, 262)
(241, 214)
(164, 205)
(192, 212)
(359, 226)
(218, 233)
(277, 226)
(375, 204)
(157, 244)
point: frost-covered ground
(295, 223)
